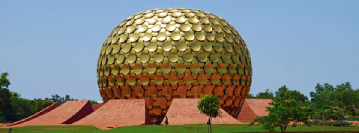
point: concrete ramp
(184, 111)
(42, 112)
(67, 113)
(252, 108)
(118, 113)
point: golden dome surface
(171, 53)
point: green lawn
(167, 129)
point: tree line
(14, 108)
(327, 103)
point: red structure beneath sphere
(129, 112)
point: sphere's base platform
(252, 108)
(67, 113)
(118, 113)
(184, 111)
(40, 113)
(130, 112)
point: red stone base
(118, 113)
(184, 111)
(67, 113)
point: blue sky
(51, 47)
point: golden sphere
(171, 53)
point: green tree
(209, 105)
(251, 96)
(282, 112)
(335, 102)
(287, 106)
(61, 100)
(5, 95)
(21, 107)
(294, 94)
(42, 104)
(265, 95)
(93, 102)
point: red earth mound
(252, 108)
(118, 113)
(184, 111)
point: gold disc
(193, 20)
(137, 68)
(131, 58)
(125, 69)
(147, 37)
(219, 37)
(120, 59)
(159, 79)
(166, 46)
(202, 57)
(131, 80)
(120, 80)
(175, 36)
(156, 28)
(139, 47)
(158, 57)
(130, 29)
(199, 36)
(209, 36)
(181, 46)
(188, 79)
(166, 68)
(207, 28)
(173, 57)
(171, 27)
(189, 36)
(126, 48)
(195, 46)
(187, 56)
(221, 68)
(152, 47)
(197, 27)
(161, 37)
(208, 68)
(213, 57)
(151, 68)
(144, 57)
(226, 57)
(180, 68)
(173, 79)
(144, 80)
(185, 27)
(134, 37)
(202, 79)
(218, 47)
(207, 46)
(214, 79)
(195, 68)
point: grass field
(168, 129)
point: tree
(93, 102)
(265, 95)
(334, 102)
(287, 106)
(282, 112)
(251, 96)
(42, 104)
(209, 105)
(294, 94)
(61, 100)
(5, 95)
(21, 107)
